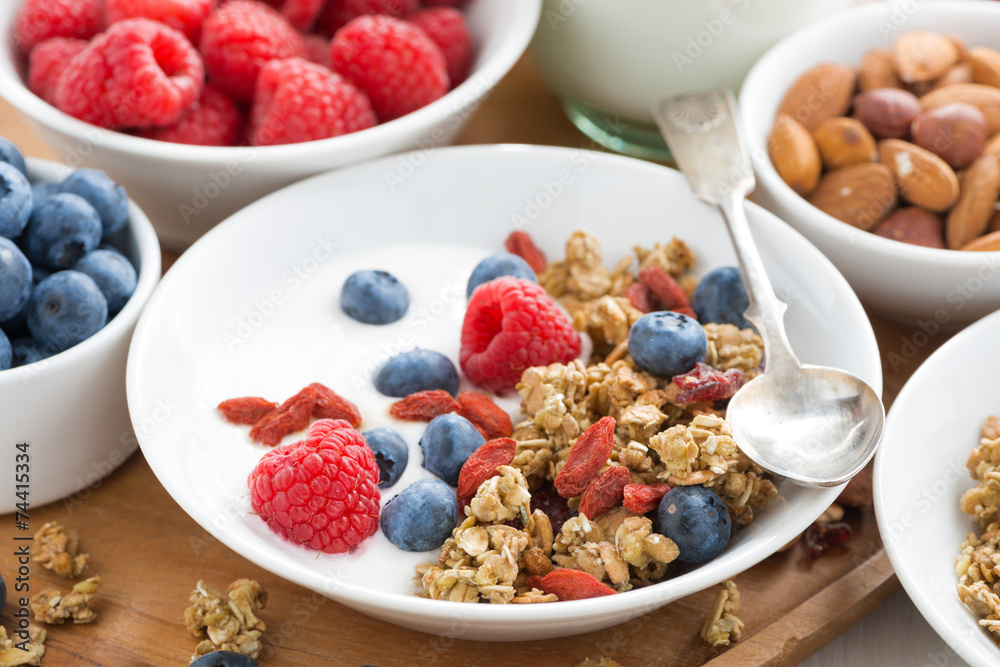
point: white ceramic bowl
(911, 282)
(71, 408)
(920, 476)
(272, 326)
(188, 189)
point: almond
(985, 66)
(861, 195)
(913, 225)
(994, 225)
(971, 214)
(988, 243)
(924, 179)
(960, 73)
(843, 141)
(993, 146)
(921, 56)
(794, 155)
(823, 92)
(984, 98)
(876, 71)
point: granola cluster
(720, 625)
(54, 608)
(978, 565)
(14, 653)
(503, 542)
(230, 620)
(56, 549)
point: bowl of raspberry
(78, 262)
(199, 108)
(528, 412)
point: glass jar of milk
(609, 60)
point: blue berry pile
(61, 276)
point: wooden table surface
(150, 553)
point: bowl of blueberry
(223, 102)
(78, 261)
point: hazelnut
(913, 225)
(887, 112)
(955, 132)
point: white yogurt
(307, 338)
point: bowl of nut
(530, 410)
(875, 134)
(225, 102)
(78, 261)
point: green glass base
(625, 137)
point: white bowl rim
(149, 275)
(467, 94)
(929, 609)
(641, 600)
(806, 214)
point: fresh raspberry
(297, 100)
(213, 120)
(302, 13)
(444, 3)
(511, 324)
(318, 50)
(47, 61)
(447, 27)
(339, 13)
(239, 38)
(138, 73)
(395, 63)
(321, 492)
(184, 15)
(38, 20)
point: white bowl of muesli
(937, 491)
(251, 313)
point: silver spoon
(813, 425)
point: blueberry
(66, 308)
(15, 201)
(6, 353)
(422, 517)
(721, 298)
(27, 351)
(107, 197)
(15, 279)
(494, 266)
(391, 454)
(414, 371)
(225, 659)
(113, 273)
(11, 155)
(40, 273)
(374, 297)
(447, 443)
(667, 343)
(3, 593)
(42, 190)
(61, 230)
(697, 520)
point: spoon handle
(705, 136)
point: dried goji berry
(331, 405)
(483, 464)
(640, 297)
(821, 537)
(642, 498)
(586, 458)
(705, 384)
(492, 420)
(423, 406)
(521, 244)
(605, 492)
(247, 410)
(571, 584)
(670, 295)
(292, 415)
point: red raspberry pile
(231, 72)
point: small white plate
(251, 309)
(920, 475)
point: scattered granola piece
(14, 653)
(230, 621)
(54, 608)
(55, 548)
(721, 625)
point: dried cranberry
(821, 537)
(705, 384)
